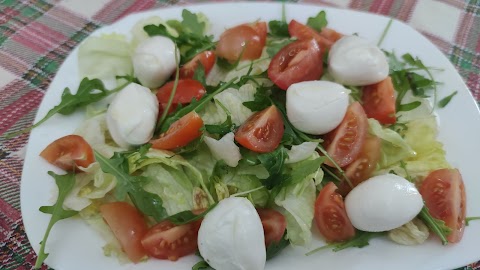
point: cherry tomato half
(169, 241)
(128, 226)
(325, 38)
(331, 217)
(187, 89)
(180, 133)
(68, 152)
(344, 143)
(297, 62)
(244, 40)
(444, 194)
(379, 101)
(206, 59)
(274, 225)
(262, 132)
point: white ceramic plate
(73, 245)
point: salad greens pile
(166, 185)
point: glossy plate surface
(73, 245)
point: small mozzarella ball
(154, 61)
(354, 61)
(231, 236)
(383, 203)
(316, 107)
(132, 115)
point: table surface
(37, 35)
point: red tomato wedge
(262, 132)
(444, 194)
(325, 38)
(330, 215)
(206, 59)
(297, 62)
(128, 226)
(362, 168)
(187, 89)
(345, 142)
(274, 225)
(379, 101)
(180, 133)
(245, 40)
(169, 241)
(69, 152)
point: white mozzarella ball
(354, 61)
(316, 107)
(132, 115)
(383, 203)
(154, 61)
(231, 236)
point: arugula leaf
(318, 22)
(221, 129)
(261, 100)
(279, 28)
(89, 91)
(202, 265)
(435, 225)
(274, 163)
(191, 38)
(65, 184)
(188, 216)
(384, 34)
(444, 101)
(276, 247)
(409, 106)
(468, 219)
(193, 106)
(148, 203)
(360, 240)
(199, 74)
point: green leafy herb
(468, 219)
(355, 93)
(279, 28)
(188, 216)
(304, 168)
(227, 65)
(276, 247)
(274, 163)
(199, 74)
(172, 94)
(318, 22)
(65, 184)
(193, 106)
(202, 265)
(221, 129)
(360, 240)
(261, 100)
(437, 226)
(409, 106)
(384, 34)
(89, 91)
(148, 203)
(191, 38)
(444, 101)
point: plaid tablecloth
(37, 35)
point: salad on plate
(235, 148)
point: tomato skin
(166, 240)
(274, 225)
(187, 89)
(69, 152)
(331, 217)
(345, 142)
(128, 226)
(444, 194)
(244, 40)
(206, 58)
(362, 168)
(379, 101)
(297, 62)
(180, 133)
(325, 38)
(262, 132)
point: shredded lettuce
(415, 232)
(225, 149)
(300, 152)
(394, 148)
(97, 58)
